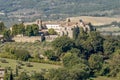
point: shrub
(52, 32)
(22, 55)
(20, 63)
(3, 61)
(19, 67)
(43, 61)
(23, 76)
(6, 55)
(29, 64)
(51, 55)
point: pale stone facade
(26, 38)
(39, 23)
(62, 28)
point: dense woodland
(86, 56)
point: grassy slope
(36, 66)
(96, 20)
(33, 48)
(104, 78)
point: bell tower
(39, 23)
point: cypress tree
(11, 76)
(16, 70)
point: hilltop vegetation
(86, 56)
(56, 6)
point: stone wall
(50, 38)
(26, 39)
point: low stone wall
(50, 38)
(27, 39)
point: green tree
(21, 29)
(23, 76)
(11, 76)
(29, 31)
(89, 43)
(32, 30)
(105, 69)
(37, 76)
(77, 52)
(114, 63)
(6, 76)
(18, 29)
(109, 47)
(16, 72)
(52, 31)
(22, 54)
(14, 29)
(63, 44)
(10, 49)
(95, 63)
(35, 29)
(82, 37)
(79, 72)
(7, 35)
(70, 60)
(58, 74)
(51, 55)
(2, 27)
(96, 41)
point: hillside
(29, 10)
(96, 20)
(106, 25)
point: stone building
(64, 27)
(61, 27)
(87, 27)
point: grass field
(33, 48)
(96, 20)
(110, 29)
(104, 78)
(37, 67)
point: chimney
(68, 22)
(39, 23)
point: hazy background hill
(29, 10)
